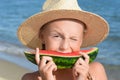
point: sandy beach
(113, 72)
(14, 12)
(11, 71)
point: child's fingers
(75, 72)
(37, 58)
(52, 66)
(80, 61)
(86, 57)
(45, 60)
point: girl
(66, 31)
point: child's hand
(46, 66)
(81, 68)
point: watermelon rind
(64, 62)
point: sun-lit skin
(64, 36)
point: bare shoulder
(26, 76)
(31, 76)
(98, 71)
(96, 65)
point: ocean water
(14, 12)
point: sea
(14, 12)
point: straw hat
(97, 27)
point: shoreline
(12, 71)
(13, 67)
(112, 71)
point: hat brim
(97, 27)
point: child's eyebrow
(57, 31)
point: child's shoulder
(31, 76)
(96, 65)
(96, 69)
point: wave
(12, 49)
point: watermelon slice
(63, 60)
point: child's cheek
(54, 45)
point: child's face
(63, 36)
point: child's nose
(64, 46)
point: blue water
(14, 12)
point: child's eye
(56, 36)
(73, 39)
